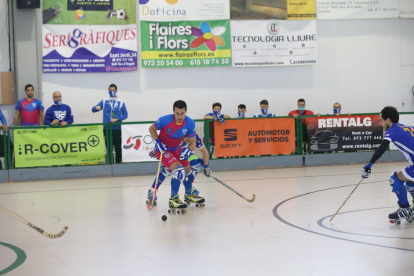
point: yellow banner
(185, 54)
(301, 9)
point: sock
(402, 196)
(161, 178)
(175, 187)
(188, 183)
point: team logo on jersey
(169, 130)
(185, 131)
(60, 115)
(130, 143)
(34, 104)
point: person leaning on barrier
(241, 111)
(58, 113)
(114, 111)
(337, 109)
(30, 109)
(301, 111)
(264, 110)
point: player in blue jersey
(172, 130)
(195, 164)
(403, 137)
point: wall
(363, 64)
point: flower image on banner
(185, 43)
(180, 10)
(85, 36)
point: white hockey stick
(31, 225)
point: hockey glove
(366, 170)
(185, 154)
(207, 171)
(152, 154)
(160, 145)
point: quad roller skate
(401, 213)
(177, 206)
(195, 198)
(151, 196)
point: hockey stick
(346, 200)
(234, 191)
(151, 205)
(31, 225)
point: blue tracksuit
(61, 112)
(112, 108)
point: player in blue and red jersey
(30, 109)
(173, 128)
(403, 138)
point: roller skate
(177, 206)
(151, 196)
(401, 213)
(194, 198)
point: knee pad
(164, 171)
(180, 174)
(192, 175)
(395, 183)
(409, 186)
(195, 165)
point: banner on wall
(350, 9)
(301, 9)
(86, 49)
(406, 8)
(344, 133)
(58, 146)
(254, 137)
(137, 142)
(274, 43)
(89, 12)
(185, 43)
(181, 10)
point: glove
(366, 170)
(160, 145)
(152, 154)
(207, 171)
(221, 120)
(185, 154)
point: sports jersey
(403, 138)
(29, 111)
(60, 112)
(260, 115)
(171, 134)
(199, 143)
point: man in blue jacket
(58, 114)
(114, 110)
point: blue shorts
(409, 172)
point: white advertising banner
(273, 42)
(136, 143)
(90, 48)
(351, 9)
(183, 10)
(407, 8)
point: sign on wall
(82, 36)
(406, 8)
(185, 43)
(274, 43)
(181, 10)
(58, 146)
(254, 137)
(350, 9)
(137, 142)
(301, 9)
(344, 133)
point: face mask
(241, 114)
(57, 102)
(216, 113)
(112, 94)
(264, 111)
(301, 108)
(337, 110)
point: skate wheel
(410, 220)
(398, 222)
(173, 211)
(203, 205)
(198, 205)
(169, 211)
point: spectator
(301, 110)
(5, 128)
(58, 113)
(114, 110)
(264, 110)
(30, 109)
(241, 111)
(215, 115)
(337, 109)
